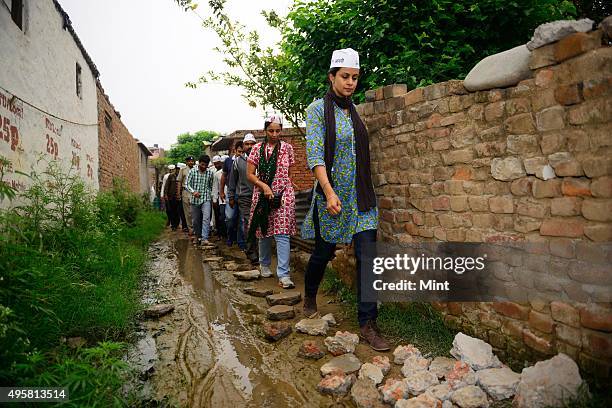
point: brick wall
(450, 165)
(118, 150)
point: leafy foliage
(416, 43)
(596, 10)
(70, 265)
(189, 144)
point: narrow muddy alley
(210, 351)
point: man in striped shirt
(199, 184)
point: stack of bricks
(118, 150)
(531, 163)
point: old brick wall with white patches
(38, 65)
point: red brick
(599, 232)
(594, 88)
(576, 44)
(562, 227)
(596, 318)
(541, 344)
(385, 203)
(545, 189)
(598, 344)
(540, 321)
(414, 96)
(544, 77)
(565, 313)
(513, 328)
(440, 203)
(569, 335)
(387, 215)
(455, 308)
(462, 173)
(501, 205)
(602, 187)
(597, 209)
(576, 187)
(569, 94)
(511, 309)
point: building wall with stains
(44, 117)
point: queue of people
(252, 195)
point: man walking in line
(218, 202)
(172, 194)
(199, 184)
(182, 178)
(163, 194)
(240, 193)
(232, 220)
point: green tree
(413, 42)
(190, 144)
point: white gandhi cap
(249, 138)
(345, 58)
(216, 159)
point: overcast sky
(146, 50)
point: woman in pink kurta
(280, 222)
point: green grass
(415, 323)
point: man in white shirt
(217, 198)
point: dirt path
(209, 351)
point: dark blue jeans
(324, 252)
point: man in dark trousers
(172, 193)
(240, 193)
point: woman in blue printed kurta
(343, 208)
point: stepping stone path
(548, 383)
(158, 311)
(310, 349)
(347, 363)
(414, 364)
(280, 312)
(257, 292)
(365, 394)
(276, 330)
(422, 401)
(499, 383)
(314, 327)
(247, 275)
(343, 342)
(420, 381)
(371, 372)
(232, 266)
(470, 397)
(475, 352)
(330, 319)
(393, 390)
(401, 353)
(336, 383)
(285, 298)
(383, 363)
(440, 366)
(213, 259)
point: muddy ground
(209, 352)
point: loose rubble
(475, 352)
(440, 391)
(336, 383)
(554, 31)
(499, 383)
(393, 390)
(470, 397)
(549, 383)
(383, 363)
(342, 343)
(415, 363)
(365, 394)
(330, 319)
(347, 363)
(314, 327)
(276, 330)
(310, 349)
(401, 353)
(371, 372)
(461, 375)
(440, 366)
(422, 401)
(420, 381)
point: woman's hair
(332, 71)
(238, 144)
(266, 124)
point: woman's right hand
(333, 204)
(267, 191)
